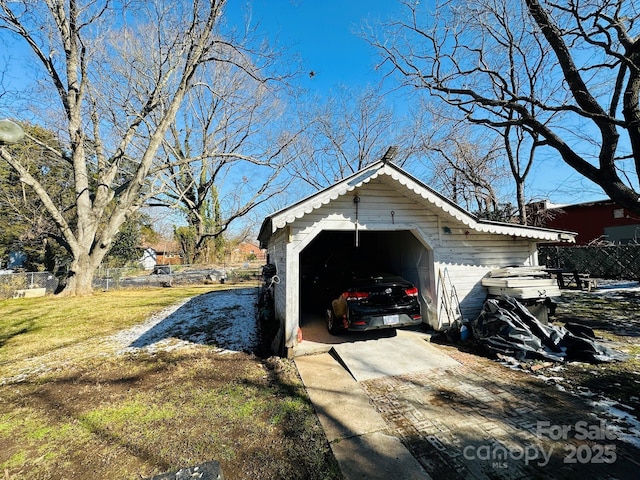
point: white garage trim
(419, 190)
(390, 200)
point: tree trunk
(80, 278)
(522, 206)
(84, 266)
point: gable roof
(163, 246)
(413, 188)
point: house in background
(164, 252)
(149, 258)
(594, 222)
(246, 251)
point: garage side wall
(277, 255)
(463, 259)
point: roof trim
(288, 215)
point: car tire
(330, 319)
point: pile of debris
(533, 287)
(506, 327)
(514, 321)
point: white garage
(385, 214)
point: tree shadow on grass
(224, 319)
(9, 335)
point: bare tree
(517, 146)
(467, 166)
(113, 76)
(568, 74)
(467, 172)
(348, 132)
(224, 155)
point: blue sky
(325, 34)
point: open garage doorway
(399, 252)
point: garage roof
(413, 188)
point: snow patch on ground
(130, 335)
(623, 423)
(617, 290)
(605, 286)
(223, 319)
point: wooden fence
(611, 261)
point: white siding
(468, 258)
(377, 202)
(467, 255)
(277, 255)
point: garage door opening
(398, 252)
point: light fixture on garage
(356, 201)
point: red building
(246, 251)
(167, 252)
(602, 220)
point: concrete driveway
(461, 417)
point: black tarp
(505, 326)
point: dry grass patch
(31, 327)
(140, 414)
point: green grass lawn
(91, 414)
(32, 326)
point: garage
(397, 252)
(386, 217)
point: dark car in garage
(370, 300)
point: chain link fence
(173, 275)
(27, 284)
